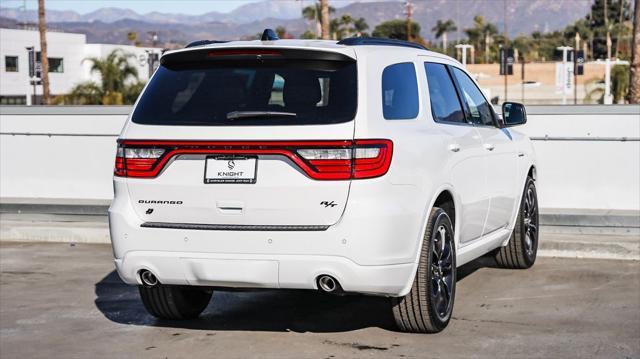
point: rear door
(467, 158)
(243, 137)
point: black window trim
(458, 95)
(466, 108)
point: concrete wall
(58, 153)
(589, 156)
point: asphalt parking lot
(65, 301)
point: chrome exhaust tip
(328, 284)
(148, 278)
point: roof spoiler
(205, 42)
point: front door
(499, 151)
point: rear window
(250, 92)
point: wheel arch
(533, 172)
(443, 195)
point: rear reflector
(320, 160)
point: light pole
(31, 55)
(575, 75)
(409, 12)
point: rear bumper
(372, 249)
(263, 271)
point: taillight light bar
(320, 160)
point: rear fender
(420, 240)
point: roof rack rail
(357, 41)
(205, 42)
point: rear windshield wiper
(239, 115)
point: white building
(66, 53)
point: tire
(522, 249)
(427, 308)
(175, 302)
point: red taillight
(136, 161)
(370, 164)
(362, 159)
(320, 160)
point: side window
(445, 104)
(11, 63)
(56, 64)
(479, 108)
(400, 92)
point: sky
(141, 6)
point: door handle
(454, 147)
(489, 147)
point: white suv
(363, 166)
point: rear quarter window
(400, 92)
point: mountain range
(243, 14)
(111, 25)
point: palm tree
(335, 29)
(347, 26)
(118, 82)
(324, 18)
(481, 35)
(44, 61)
(312, 13)
(133, 37)
(114, 70)
(347, 29)
(361, 26)
(281, 31)
(634, 73)
(442, 28)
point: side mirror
(513, 114)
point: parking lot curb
(90, 225)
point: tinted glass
(56, 64)
(445, 104)
(11, 63)
(479, 108)
(400, 92)
(250, 92)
